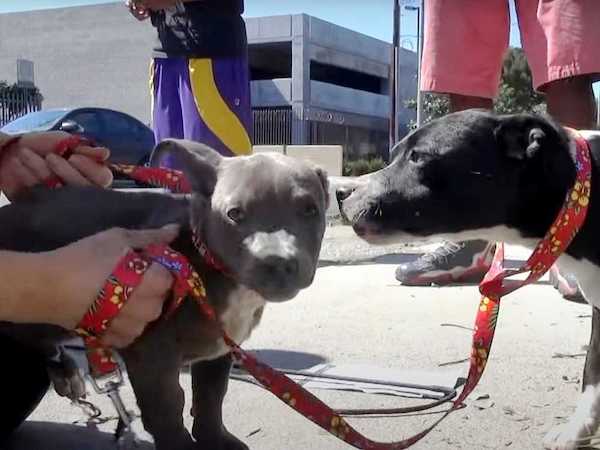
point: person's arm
(58, 287)
(21, 296)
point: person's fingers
(138, 12)
(146, 303)
(99, 154)
(140, 310)
(126, 325)
(43, 142)
(116, 340)
(65, 171)
(35, 163)
(96, 173)
(147, 300)
(25, 176)
(138, 239)
(144, 306)
(141, 14)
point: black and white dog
(474, 174)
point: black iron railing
(15, 103)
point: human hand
(31, 161)
(137, 11)
(81, 269)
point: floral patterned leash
(496, 284)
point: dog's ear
(197, 161)
(324, 184)
(520, 137)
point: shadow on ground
(288, 360)
(56, 436)
(282, 359)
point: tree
(515, 93)
(434, 106)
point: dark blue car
(130, 141)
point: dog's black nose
(281, 267)
(343, 192)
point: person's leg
(167, 121)
(455, 28)
(215, 97)
(571, 102)
(25, 384)
(460, 102)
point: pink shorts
(465, 41)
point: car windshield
(35, 121)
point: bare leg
(571, 102)
(461, 102)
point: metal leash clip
(110, 385)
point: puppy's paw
(568, 436)
(230, 442)
(175, 442)
(226, 441)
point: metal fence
(15, 103)
(273, 126)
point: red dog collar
(187, 283)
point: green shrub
(363, 166)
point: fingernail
(103, 154)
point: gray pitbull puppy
(263, 216)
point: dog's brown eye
(236, 215)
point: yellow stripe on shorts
(213, 109)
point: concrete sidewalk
(358, 314)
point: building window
(347, 78)
(270, 60)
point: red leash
(496, 284)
